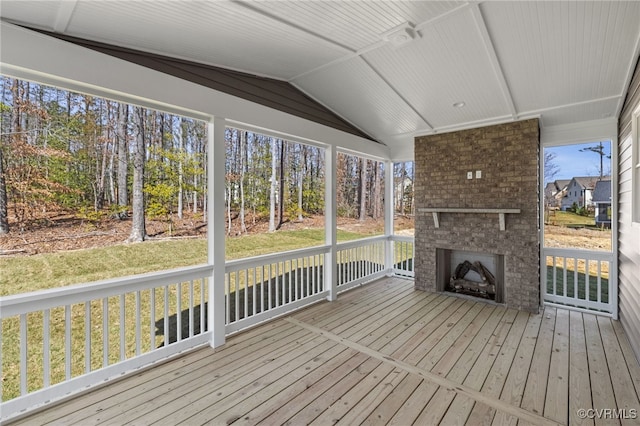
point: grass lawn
(29, 273)
(23, 274)
(570, 219)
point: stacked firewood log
(486, 288)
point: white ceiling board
(597, 110)
(565, 61)
(355, 91)
(556, 53)
(41, 14)
(216, 33)
(462, 73)
(355, 24)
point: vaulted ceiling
(393, 69)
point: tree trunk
(181, 135)
(4, 200)
(243, 142)
(377, 185)
(272, 196)
(123, 196)
(138, 231)
(363, 190)
(403, 176)
(302, 163)
(281, 192)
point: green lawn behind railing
(582, 287)
(30, 273)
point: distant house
(554, 192)
(580, 191)
(602, 200)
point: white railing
(264, 287)
(64, 340)
(68, 338)
(404, 256)
(579, 279)
(360, 261)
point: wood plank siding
(276, 94)
(628, 233)
(384, 354)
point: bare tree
(123, 159)
(4, 217)
(283, 149)
(551, 168)
(362, 196)
(272, 192)
(138, 231)
(243, 144)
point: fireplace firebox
(469, 273)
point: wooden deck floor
(386, 354)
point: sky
(571, 162)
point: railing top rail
(578, 253)
(79, 293)
(403, 238)
(361, 242)
(248, 262)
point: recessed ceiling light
(459, 105)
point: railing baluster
(105, 332)
(87, 336)
(587, 276)
(564, 277)
(555, 276)
(138, 323)
(202, 305)
(246, 293)
(290, 279)
(123, 354)
(278, 283)
(254, 290)
(153, 318)
(236, 293)
(179, 312)
(191, 319)
(599, 282)
(67, 341)
(46, 348)
(308, 270)
(23, 354)
(295, 279)
(269, 288)
(263, 282)
(575, 277)
(166, 315)
(227, 297)
(340, 269)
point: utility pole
(598, 149)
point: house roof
(464, 64)
(562, 183)
(588, 182)
(602, 192)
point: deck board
(382, 354)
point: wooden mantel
(435, 211)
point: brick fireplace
(476, 192)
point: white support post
(215, 230)
(330, 212)
(389, 207)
